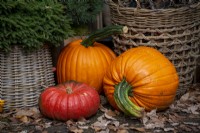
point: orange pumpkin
(140, 77)
(86, 60)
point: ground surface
(182, 116)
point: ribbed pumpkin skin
(56, 103)
(153, 77)
(84, 64)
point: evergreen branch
(31, 23)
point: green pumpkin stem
(103, 33)
(121, 96)
(118, 102)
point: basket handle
(117, 6)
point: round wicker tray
(22, 75)
(174, 32)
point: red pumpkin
(70, 100)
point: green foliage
(82, 11)
(31, 23)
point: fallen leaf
(124, 126)
(168, 129)
(191, 123)
(102, 108)
(83, 127)
(116, 123)
(158, 131)
(151, 120)
(37, 120)
(193, 109)
(109, 115)
(154, 125)
(39, 127)
(185, 97)
(112, 127)
(96, 129)
(101, 124)
(24, 131)
(186, 111)
(174, 124)
(172, 107)
(100, 118)
(76, 130)
(70, 123)
(24, 119)
(172, 118)
(36, 112)
(47, 124)
(82, 121)
(145, 119)
(31, 112)
(122, 131)
(152, 113)
(22, 113)
(181, 105)
(140, 129)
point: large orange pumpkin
(87, 60)
(141, 77)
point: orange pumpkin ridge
(153, 78)
(86, 60)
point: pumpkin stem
(103, 33)
(121, 96)
(69, 90)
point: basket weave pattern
(22, 75)
(174, 32)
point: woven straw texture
(22, 75)
(174, 32)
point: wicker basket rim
(183, 8)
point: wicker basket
(174, 32)
(22, 75)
